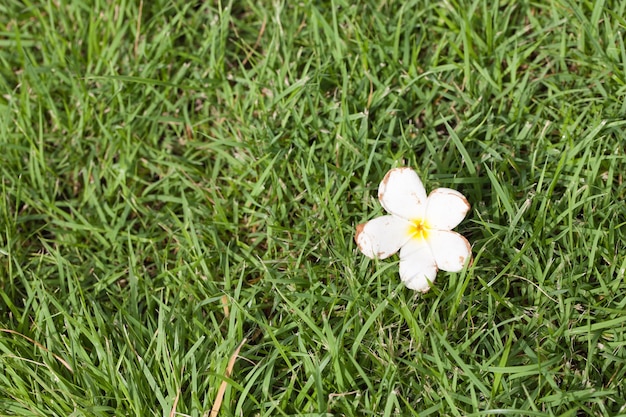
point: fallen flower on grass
(418, 226)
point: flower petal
(402, 193)
(417, 265)
(382, 237)
(449, 249)
(445, 208)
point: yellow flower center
(419, 229)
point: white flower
(420, 227)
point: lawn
(181, 182)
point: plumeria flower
(418, 226)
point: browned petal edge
(469, 206)
(386, 179)
(463, 198)
(359, 229)
(430, 284)
(469, 249)
(383, 184)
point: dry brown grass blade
(173, 412)
(225, 305)
(220, 392)
(40, 346)
(138, 30)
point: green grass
(178, 177)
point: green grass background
(180, 176)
